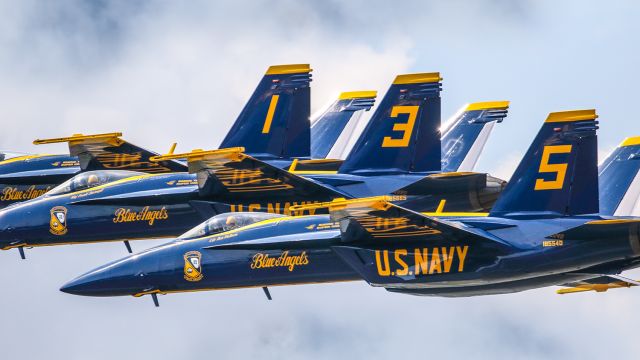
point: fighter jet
(234, 179)
(26, 177)
(273, 126)
(544, 230)
(29, 176)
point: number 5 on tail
(559, 169)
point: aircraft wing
(386, 244)
(231, 175)
(598, 284)
(377, 219)
(110, 152)
(449, 182)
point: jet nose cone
(127, 276)
(90, 284)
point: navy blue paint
(330, 125)
(289, 134)
(577, 196)
(423, 151)
(457, 142)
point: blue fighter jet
(26, 177)
(29, 176)
(544, 230)
(233, 179)
(273, 126)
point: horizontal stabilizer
(109, 152)
(315, 166)
(599, 229)
(230, 174)
(447, 182)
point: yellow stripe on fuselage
(23, 158)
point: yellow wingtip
(572, 115)
(288, 69)
(417, 78)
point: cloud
(169, 71)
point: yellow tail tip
(572, 115)
(358, 95)
(485, 105)
(288, 69)
(631, 141)
(417, 78)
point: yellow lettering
(254, 207)
(559, 169)
(386, 271)
(447, 258)
(404, 268)
(122, 215)
(260, 261)
(435, 261)
(462, 254)
(421, 259)
(273, 208)
(406, 128)
(270, 112)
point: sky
(165, 71)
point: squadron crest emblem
(193, 266)
(58, 221)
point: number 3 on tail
(559, 169)
(406, 128)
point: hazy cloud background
(163, 71)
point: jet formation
(392, 199)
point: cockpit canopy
(90, 179)
(225, 222)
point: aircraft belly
(506, 287)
